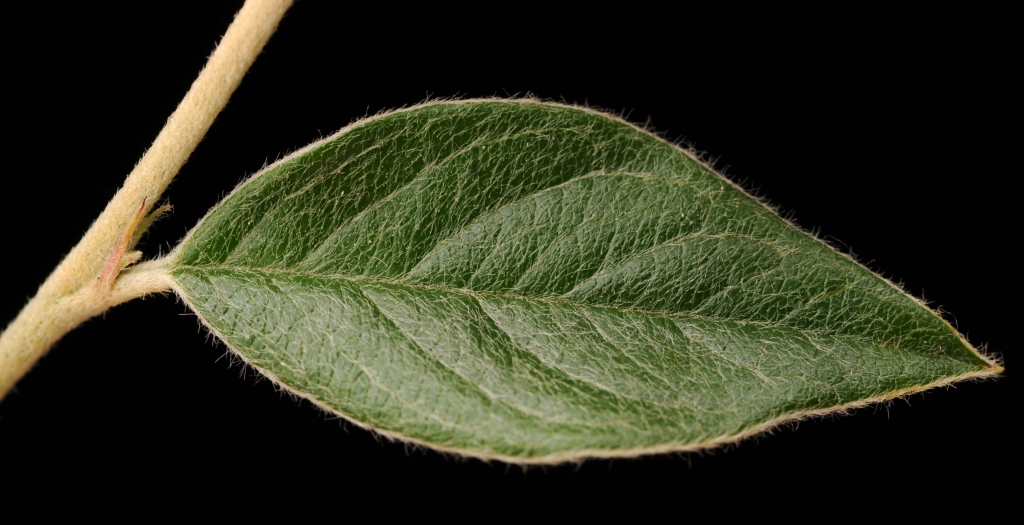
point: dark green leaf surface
(535, 282)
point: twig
(70, 295)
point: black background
(890, 133)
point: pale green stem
(70, 295)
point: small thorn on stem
(147, 222)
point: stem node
(73, 293)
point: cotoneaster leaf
(536, 283)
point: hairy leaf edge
(585, 454)
(993, 361)
(994, 366)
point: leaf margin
(994, 366)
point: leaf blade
(534, 282)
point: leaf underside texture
(536, 283)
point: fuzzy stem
(69, 296)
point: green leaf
(536, 283)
